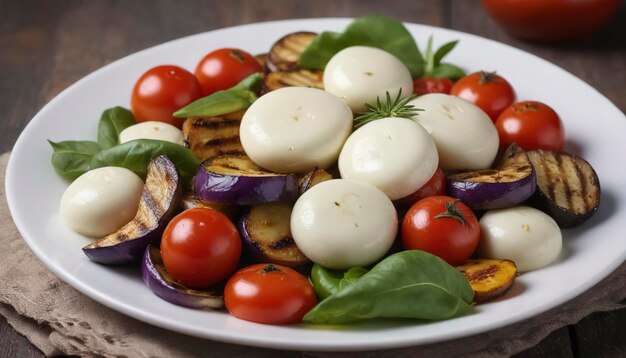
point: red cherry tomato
(436, 185)
(270, 294)
(427, 85)
(200, 247)
(162, 91)
(531, 125)
(442, 226)
(489, 91)
(548, 20)
(224, 68)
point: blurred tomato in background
(551, 20)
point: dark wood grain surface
(45, 46)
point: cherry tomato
(162, 91)
(489, 91)
(531, 125)
(436, 185)
(548, 20)
(270, 294)
(200, 247)
(224, 68)
(442, 226)
(427, 85)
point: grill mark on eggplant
(584, 191)
(221, 141)
(567, 190)
(215, 122)
(282, 243)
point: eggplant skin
(488, 196)
(160, 201)
(160, 282)
(235, 179)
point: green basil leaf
(137, 154)
(443, 51)
(446, 70)
(112, 122)
(71, 158)
(236, 98)
(408, 284)
(379, 31)
(351, 276)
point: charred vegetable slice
(266, 232)
(165, 286)
(511, 182)
(489, 278)
(569, 188)
(207, 137)
(159, 202)
(285, 53)
(235, 179)
(191, 201)
(297, 78)
(312, 178)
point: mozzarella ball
(295, 129)
(359, 74)
(525, 235)
(342, 223)
(101, 201)
(152, 130)
(465, 136)
(396, 155)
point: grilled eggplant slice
(207, 137)
(165, 286)
(569, 188)
(261, 59)
(511, 182)
(313, 178)
(191, 201)
(489, 278)
(298, 78)
(266, 233)
(159, 202)
(235, 179)
(285, 53)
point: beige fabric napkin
(60, 320)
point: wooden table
(45, 46)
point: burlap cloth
(60, 320)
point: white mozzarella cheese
(101, 201)
(525, 235)
(465, 136)
(342, 223)
(396, 155)
(295, 129)
(359, 74)
(152, 130)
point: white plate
(595, 128)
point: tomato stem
(270, 268)
(237, 55)
(486, 77)
(452, 212)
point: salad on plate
(340, 177)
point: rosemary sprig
(389, 108)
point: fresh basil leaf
(443, 51)
(137, 154)
(112, 122)
(408, 284)
(236, 98)
(351, 276)
(71, 158)
(251, 83)
(379, 31)
(447, 70)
